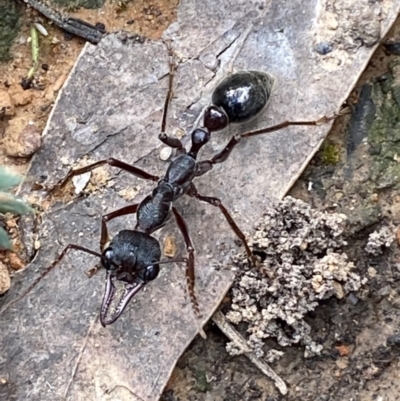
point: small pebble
(80, 182)
(22, 142)
(11, 223)
(41, 28)
(165, 153)
(6, 104)
(352, 299)
(19, 96)
(15, 262)
(5, 280)
(393, 48)
(343, 350)
(342, 363)
(169, 246)
(210, 61)
(179, 133)
(323, 48)
(394, 340)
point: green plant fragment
(4, 241)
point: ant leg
(220, 157)
(207, 165)
(130, 209)
(170, 141)
(48, 269)
(217, 202)
(286, 124)
(111, 162)
(190, 271)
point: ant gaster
(134, 256)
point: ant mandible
(133, 257)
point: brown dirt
(28, 110)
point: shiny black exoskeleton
(242, 95)
(238, 98)
(133, 257)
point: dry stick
(35, 52)
(75, 26)
(220, 320)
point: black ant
(134, 256)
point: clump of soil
(379, 240)
(303, 263)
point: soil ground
(360, 335)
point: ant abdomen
(238, 98)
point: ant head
(132, 258)
(125, 268)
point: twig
(75, 26)
(220, 320)
(109, 391)
(35, 53)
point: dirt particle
(169, 246)
(53, 89)
(100, 177)
(22, 138)
(5, 280)
(342, 363)
(129, 193)
(338, 290)
(6, 104)
(331, 21)
(343, 350)
(371, 372)
(11, 223)
(375, 198)
(20, 97)
(380, 240)
(15, 262)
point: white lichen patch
(302, 264)
(379, 240)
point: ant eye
(106, 259)
(151, 272)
